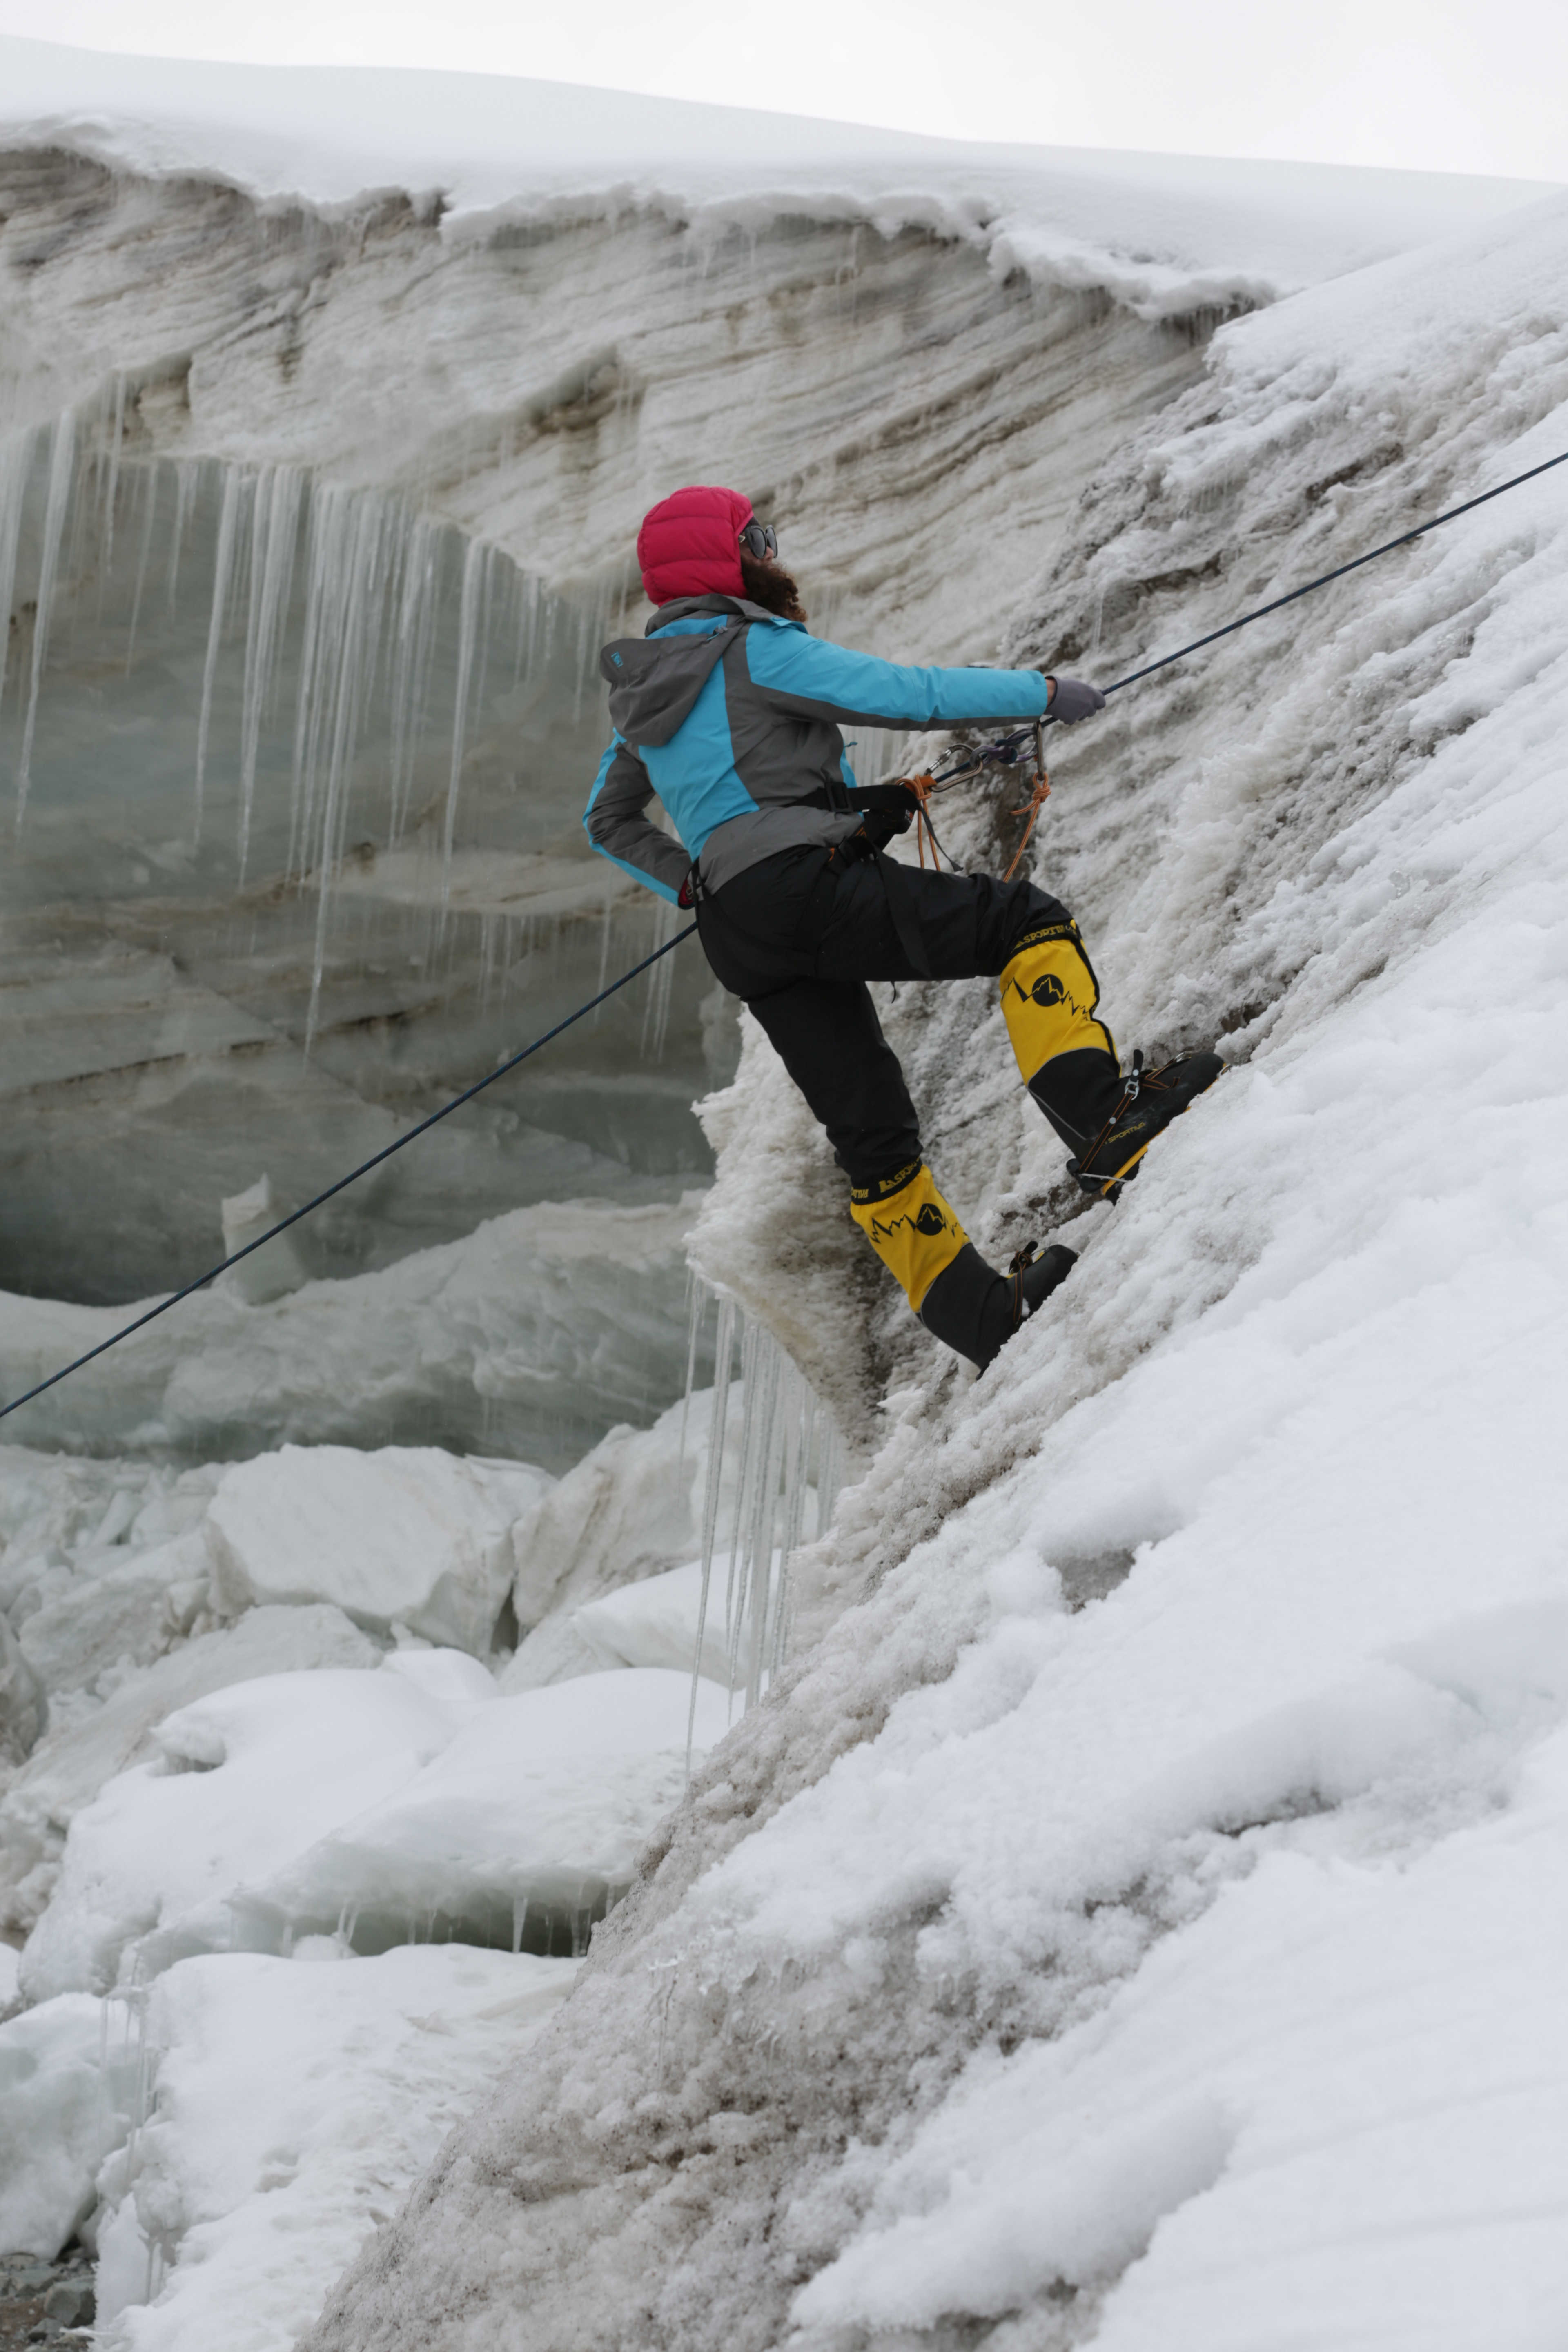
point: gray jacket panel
(744, 841)
(654, 686)
(779, 756)
(618, 822)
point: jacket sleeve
(617, 823)
(812, 679)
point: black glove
(888, 809)
(1073, 699)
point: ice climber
(730, 710)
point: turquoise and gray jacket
(733, 716)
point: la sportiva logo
(928, 1219)
(1049, 992)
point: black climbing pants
(798, 936)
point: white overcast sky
(1434, 85)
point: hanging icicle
(780, 1467)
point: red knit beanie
(689, 545)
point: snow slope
(1136, 1925)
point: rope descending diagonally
(354, 1175)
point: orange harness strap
(1036, 802)
(921, 787)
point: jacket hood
(655, 680)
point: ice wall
(295, 778)
(1115, 1934)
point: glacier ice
(291, 2105)
(535, 1811)
(65, 2096)
(237, 1783)
(530, 1337)
(1122, 1919)
(93, 1742)
(406, 1535)
(274, 1269)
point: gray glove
(1073, 699)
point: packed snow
(1095, 1882)
(297, 2101)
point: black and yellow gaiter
(1049, 998)
(909, 1226)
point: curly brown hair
(769, 585)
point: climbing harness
(1036, 800)
(921, 787)
(1009, 751)
(354, 1175)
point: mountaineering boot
(912, 1228)
(1035, 1273)
(1068, 1060)
(959, 1299)
(1049, 994)
(1150, 1101)
(975, 1312)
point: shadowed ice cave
(296, 779)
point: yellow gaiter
(1048, 997)
(909, 1226)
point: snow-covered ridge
(1165, 235)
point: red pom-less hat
(689, 544)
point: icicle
(16, 457)
(150, 479)
(234, 485)
(785, 1460)
(274, 538)
(723, 1350)
(62, 453)
(656, 1006)
(112, 488)
(759, 1577)
(187, 480)
(413, 651)
(697, 1297)
(468, 624)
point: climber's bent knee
(912, 1228)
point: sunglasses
(759, 538)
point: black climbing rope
(353, 1177)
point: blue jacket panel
(732, 717)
